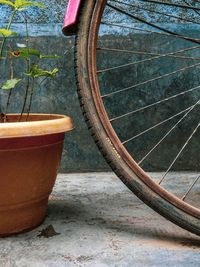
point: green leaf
(30, 51)
(6, 33)
(36, 72)
(25, 52)
(21, 4)
(49, 56)
(10, 84)
(9, 3)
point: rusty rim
(120, 149)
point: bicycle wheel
(137, 76)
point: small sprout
(9, 3)
(21, 4)
(6, 33)
(49, 56)
(15, 53)
(10, 84)
(25, 53)
(36, 72)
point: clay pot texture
(30, 154)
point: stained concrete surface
(100, 224)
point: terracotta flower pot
(30, 154)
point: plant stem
(8, 28)
(25, 99)
(1, 55)
(27, 70)
(31, 98)
(11, 77)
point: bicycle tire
(102, 132)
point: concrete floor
(100, 224)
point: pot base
(22, 218)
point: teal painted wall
(59, 96)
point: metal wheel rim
(113, 138)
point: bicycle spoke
(146, 60)
(190, 188)
(196, 11)
(157, 12)
(145, 53)
(179, 153)
(143, 30)
(194, 40)
(165, 136)
(133, 28)
(171, 4)
(156, 125)
(149, 81)
(154, 104)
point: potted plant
(30, 144)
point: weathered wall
(59, 96)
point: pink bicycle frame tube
(71, 17)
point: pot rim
(41, 124)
